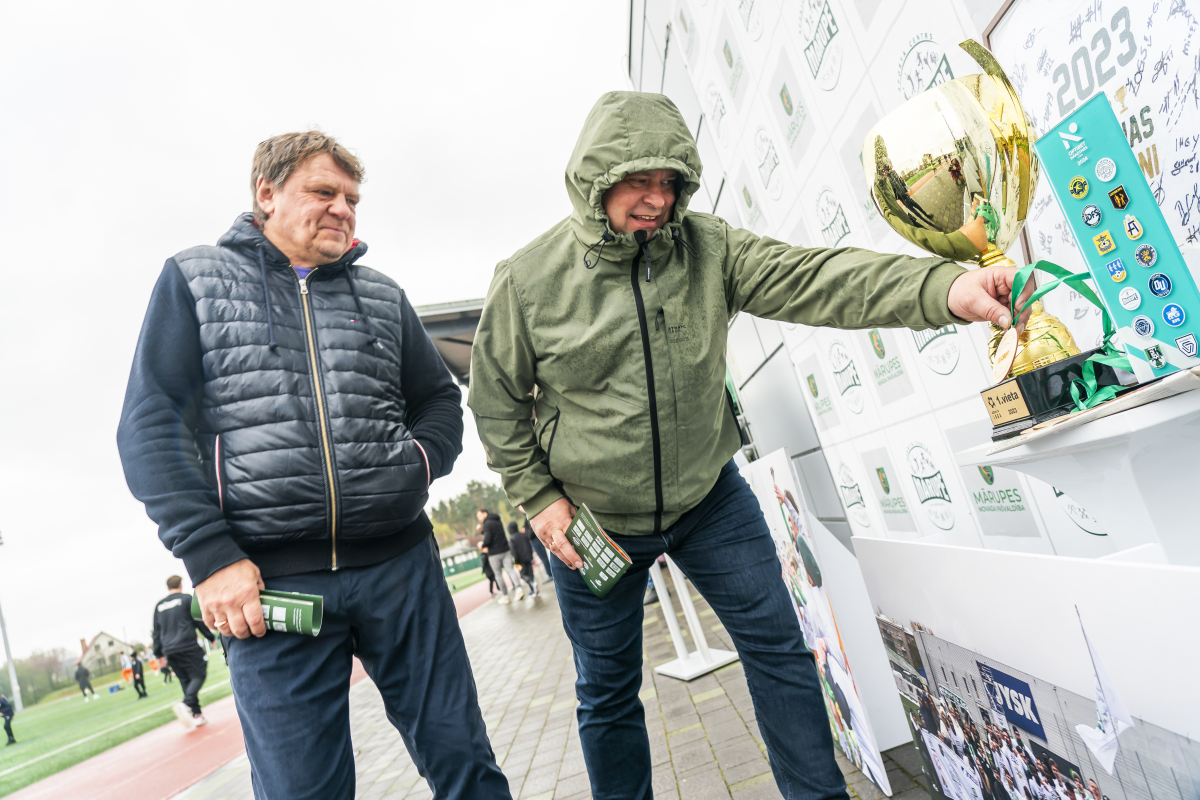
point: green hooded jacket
(598, 367)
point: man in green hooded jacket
(598, 377)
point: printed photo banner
(778, 492)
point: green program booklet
(286, 612)
(603, 561)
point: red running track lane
(138, 767)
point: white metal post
(688, 665)
(12, 668)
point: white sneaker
(198, 720)
(521, 592)
(183, 714)
(504, 600)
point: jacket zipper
(322, 418)
(654, 438)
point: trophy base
(1020, 402)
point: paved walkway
(703, 736)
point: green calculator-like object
(1135, 264)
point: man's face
(479, 515)
(311, 217)
(643, 201)
(1094, 789)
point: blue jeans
(724, 547)
(292, 692)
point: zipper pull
(658, 316)
(304, 286)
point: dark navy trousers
(292, 692)
(724, 547)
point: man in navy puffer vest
(285, 415)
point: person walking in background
(175, 639)
(538, 547)
(522, 552)
(83, 676)
(7, 711)
(139, 674)
(164, 669)
(486, 566)
(126, 668)
(496, 550)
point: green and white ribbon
(1086, 392)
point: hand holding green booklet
(286, 612)
(603, 561)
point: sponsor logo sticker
(1091, 215)
(1173, 314)
(1129, 298)
(930, 485)
(1154, 355)
(1106, 170)
(1133, 228)
(1119, 198)
(1187, 345)
(1078, 187)
(1116, 269)
(1105, 245)
(1160, 285)
(1145, 255)
(1143, 326)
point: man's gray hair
(277, 158)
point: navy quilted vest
(305, 440)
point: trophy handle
(1022, 136)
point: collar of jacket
(245, 235)
(629, 132)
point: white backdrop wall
(780, 94)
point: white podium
(1137, 471)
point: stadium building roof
(452, 328)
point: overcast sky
(127, 136)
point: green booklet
(603, 561)
(286, 612)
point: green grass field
(74, 730)
(464, 579)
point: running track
(138, 769)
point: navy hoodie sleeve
(157, 434)
(434, 401)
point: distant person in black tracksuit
(175, 638)
(139, 674)
(7, 711)
(522, 552)
(83, 677)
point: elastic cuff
(428, 476)
(935, 294)
(541, 501)
(216, 553)
(433, 463)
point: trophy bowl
(953, 166)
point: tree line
(454, 519)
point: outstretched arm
(853, 288)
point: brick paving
(704, 740)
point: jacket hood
(245, 234)
(628, 132)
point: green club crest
(786, 97)
(877, 343)
(728, 55)
(989, 475)
(746, 195)
(883, 481)
(812, 385)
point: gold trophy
(954, 165)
